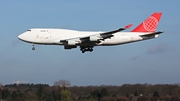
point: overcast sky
(153, 61)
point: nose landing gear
(33, 48)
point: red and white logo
(150, 24)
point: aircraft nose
(20, 37)
(23, 36)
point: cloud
(134, 58)
(15, 42)
(158, 48)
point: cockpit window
(29, 30)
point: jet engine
(94, 38)
(72, 42)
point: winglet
(128, 26)
(150, 24)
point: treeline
(62, 91)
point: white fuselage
(53, 36)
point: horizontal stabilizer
(150, 34)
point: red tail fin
(150, 24)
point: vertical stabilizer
(150, 24)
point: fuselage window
(29, 30)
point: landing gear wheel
(91, 50)
(33, 48)
(84, 49)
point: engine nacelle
(94, 38)
(72, 42)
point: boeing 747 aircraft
(86, 40)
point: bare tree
(62, 83)
(0, 91)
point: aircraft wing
(118, 30)
(93, 38)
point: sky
(155, 61)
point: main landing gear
(84, 49)
(33, 48)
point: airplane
(87, 40)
